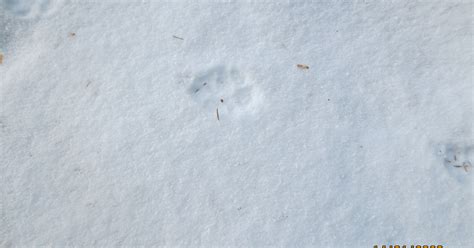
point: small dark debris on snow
(217, 114)
(176, 37)
(302, 66)
(72, 34)
(222, 100)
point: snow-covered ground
(109, 129)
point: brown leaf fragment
(302, 66)
(466, 166)
(1, 58)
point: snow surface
(109, 133)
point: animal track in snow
(29, 9)
(232, 92)
(457, 158)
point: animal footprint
(457, 158)
(227, 92)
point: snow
(109, 133)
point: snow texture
(109, 133)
